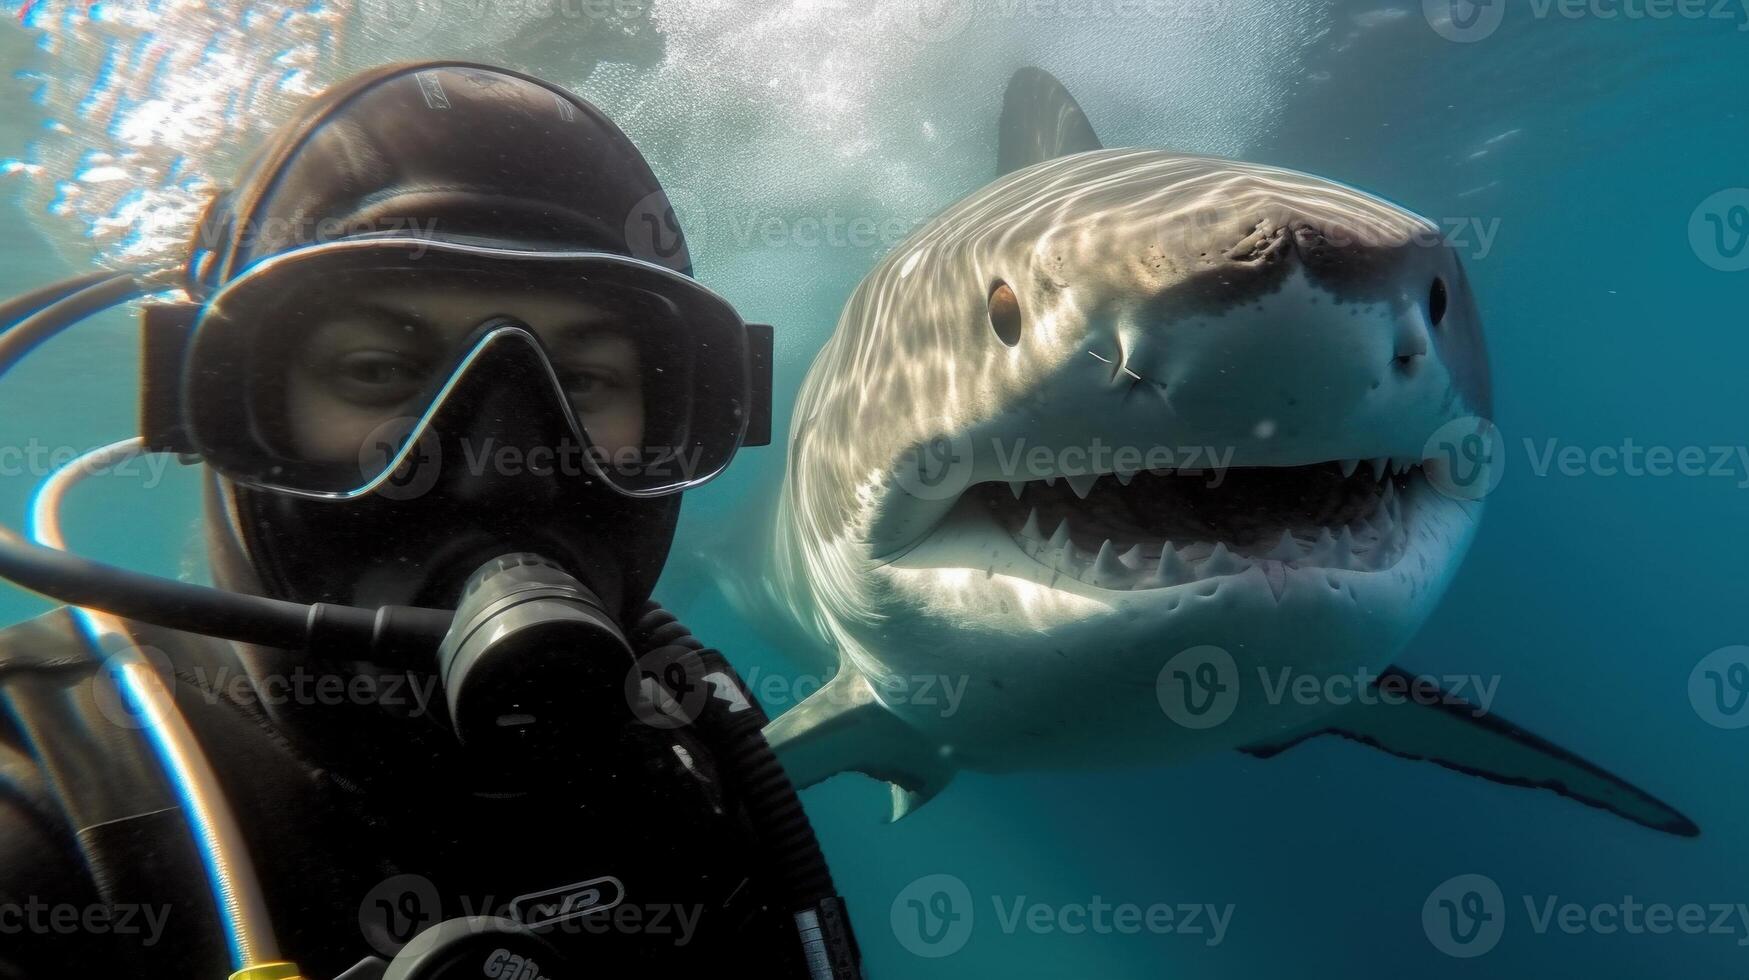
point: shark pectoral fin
(906, 799)
(1040, 121)
(1448, 731)
(843, 727)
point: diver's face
(378, 359)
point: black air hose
(736, 735)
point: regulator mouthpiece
(532, 653)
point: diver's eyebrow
(589, 326)
(394, 315)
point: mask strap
(31, 319)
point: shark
(1133, 456)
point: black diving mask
(318, 372)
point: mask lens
(324, 371)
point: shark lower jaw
(1065, 629)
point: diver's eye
(1005, 313)
(1437, 301)
(594, 390)
(378, 376)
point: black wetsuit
(349, 809)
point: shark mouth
(1159, 529)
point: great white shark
(1133, 456)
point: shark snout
(1384, 288)
(1296, 362)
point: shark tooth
(1382, 519)
(1223, 562)
(1349, 466)
(1132, 558)
(1323, 551)
(1381, 467)
(1172, 570)
(1060, 537)
(1124, 478)
(1275, 573)
(1063, 560)
(1287, 549)
(1083, 485)
(1344, 557)
(1108, 571)
(1030, 529)
(1017, 487)
(1059, 551)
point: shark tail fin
(1437, 727)
(1040, 121)
(843, 727)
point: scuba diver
(442, 356)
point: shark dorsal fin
(1040, 121)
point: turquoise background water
(1584, 146)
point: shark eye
(1437, 301)
(1005, 313)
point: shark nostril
(1409, 355)
(1411, 343)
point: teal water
(1582, 147)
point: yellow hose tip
(269, 971)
